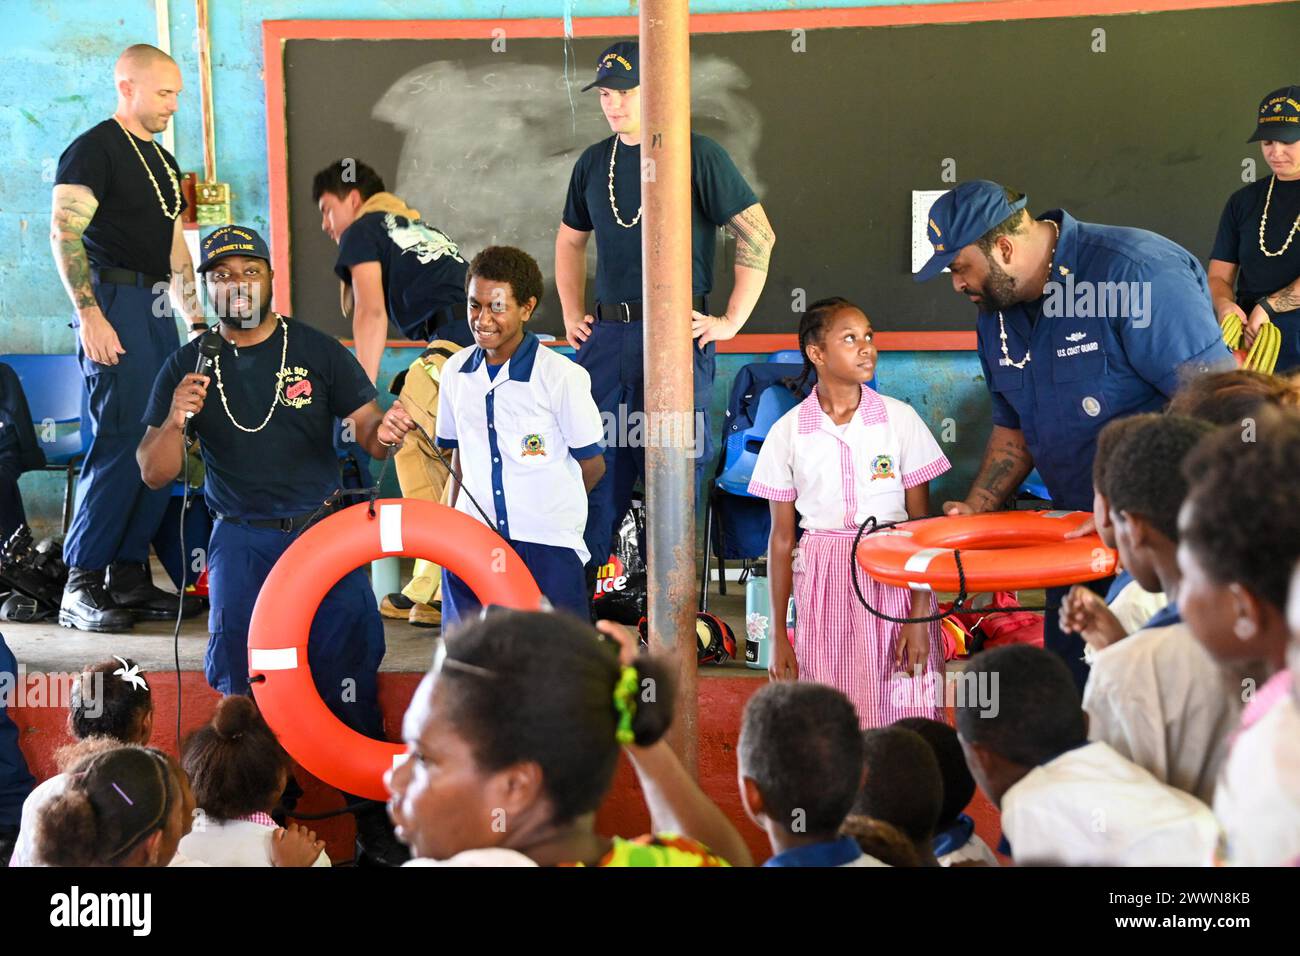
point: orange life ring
(293, 591)
(1000, 551)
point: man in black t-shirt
(605, 198)
(268, 455)
(118, 244)
(392, 264)
(269, 460)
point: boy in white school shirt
(1156, 696)
(524, 433)
(1065, 801)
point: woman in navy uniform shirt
(1255, 266)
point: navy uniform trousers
(557, 571)
(346, 642)
(1288, 355)
(116, 514)
(614, 357)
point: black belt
(127, 277)
(632, 312)
(287, 525)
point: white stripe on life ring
(919, 562)
(273, 658)
(390, 528)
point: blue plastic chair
(741, 452)
(54, 388)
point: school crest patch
(534, 445)
(295, 387)
(882, 466)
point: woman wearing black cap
(1255, 266)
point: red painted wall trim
(276, 32)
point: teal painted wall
(56, 61)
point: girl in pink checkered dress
(844, 453)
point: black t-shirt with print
(422, 272)
(290, 466)
(129, 229)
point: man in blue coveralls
(118, 242)
(268, 451)
(1078, 324)
(605, 198)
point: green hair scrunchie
(625, 704)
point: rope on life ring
(292, 593)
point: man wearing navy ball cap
(1078, 324)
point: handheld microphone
(209, 348)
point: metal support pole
(669, 363)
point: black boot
(132, 587)
(87, 606)
(377, 845)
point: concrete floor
(49, 647)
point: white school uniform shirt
(1161, 701)
(521, 436)
(838, 475)
(1092, 807)
(233, 842)
(973, 850)
(26, 853)
(1134, 606)
(1257, 800)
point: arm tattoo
(1286, 298)
(754, 238)
(1003, 466)
(73, 210)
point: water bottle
(758, 623)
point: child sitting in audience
(902, 786)
(881, 841)
(1239, 538)
(1066, 801)
(512, 742)
(1156, 697)
(955, 841)
(121, 806)
(238, 770)
(1127, 605)
(800, 767)
(110, 699)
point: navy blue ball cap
(618, 67)
(1279, 116)
(232, 241)
(962, 215)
